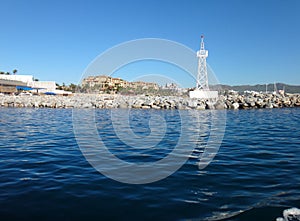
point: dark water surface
(44, 176)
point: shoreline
(107, 101)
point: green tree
(72, 87)
(15, 71)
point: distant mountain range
(260, 87)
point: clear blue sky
(249, 41)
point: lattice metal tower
(202, 78)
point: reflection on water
(44, 176)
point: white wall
(24, 78)
(45, 85)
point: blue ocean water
(44, 175)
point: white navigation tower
(202, 88)
(202, 78)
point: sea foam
(292, 214)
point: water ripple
(44, 176)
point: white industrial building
(34, 86)
(23, 78)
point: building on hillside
(118, 82)
(170, 86)
(143, 85)
(103, 83)
(89, 81)
(174, 88)
(124, 83)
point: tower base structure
(204, 94)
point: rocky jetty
(231, 101)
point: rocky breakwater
(260, 100)
(233, 101)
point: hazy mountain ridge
(260, 87)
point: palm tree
(15, 71)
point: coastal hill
(107, 83)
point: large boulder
(220, 105)
(192, 103)
(210, 105)
(235, 106)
